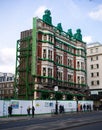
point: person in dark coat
(60, 109)
(10, 110)
(33, 111)
(84, 107)
(28, 110)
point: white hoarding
(19, 107)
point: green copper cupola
(78, 35)
(47, 18)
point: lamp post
(56, 105)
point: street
(72, 121)
(93, 126)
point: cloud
(40, 11)
(87, 39)
(7, 60)
(96, 14)
(7, 69)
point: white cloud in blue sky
(97, 13)
(16, 16)
(40, 11)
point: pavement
(15, 118)
(18, 118)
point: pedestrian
(60, 109)
(63, 109)
(81, 107)
(87, 107)
(10, 110)
(33, 111)
(28, 110)
(84, 107)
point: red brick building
(47, 57)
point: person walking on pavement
(84, 107)
(10, 110)
(33, 111)
(28, 110)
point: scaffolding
(23, 79)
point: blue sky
(16, 16)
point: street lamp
(56, 105)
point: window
(97, 65)
(44, 53)
(92, 83)
(59, 75)
(70, 62)
(91, 51)
(98, 82)
(78, 52)
(59, 59)
(8, 85)
(91, 58)
(97, 74)
(49, 72)
(78, 78)
(81, 52)
(7, 91)
(96, 49)
(70, 78)
(69, 48)
(59, 44)
(45, 37)
(78, 64)
(96, 57)
(92, 75)
(44, 71)
(49, 54)
(82, 65)
(11, 91)
(82, 80)
(50, 38)
(11, 85)
(91, 66)
(72, 50)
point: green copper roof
(70, 33)
(59, 27)
(47, 18)
(78, 35)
